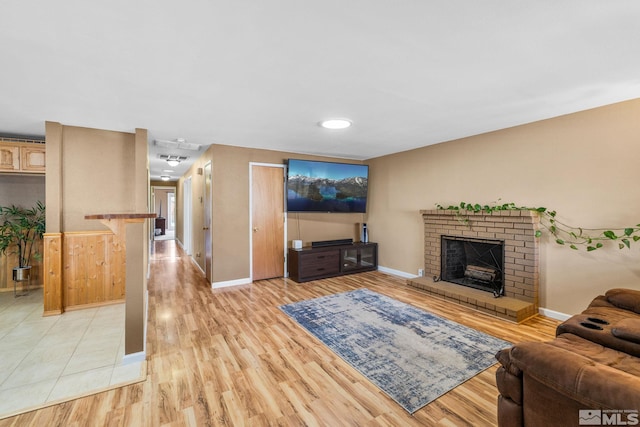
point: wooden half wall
(83, 269)
(10, 260)
(52, 274)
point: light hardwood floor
(231, 357)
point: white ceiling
(263, 73)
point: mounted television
(314, 186)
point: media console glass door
(358, 257)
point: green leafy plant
(574, 237)
(19, 230)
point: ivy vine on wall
(574, 237)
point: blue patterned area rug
(410, 354)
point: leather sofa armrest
(627, 329)
(620, 335)
(509, 386)
(627, 299)
(509, 383)
(509, 377)
(600, 301)
(592, 384)
(504, 357)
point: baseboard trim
(553, 314)
(52, 313)
(396, 272)
(134, 357)
(227, 283)
(146, 320)
(197, 265)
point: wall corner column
(137, 255)
(135, 307)
(52, 259)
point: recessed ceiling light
(335, 123)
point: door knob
(205, 228)
(255, 229)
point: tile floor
(47, 360)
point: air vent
(180, 145)
(172, 157)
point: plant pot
(21, 274)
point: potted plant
(19, 229)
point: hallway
(231, 357)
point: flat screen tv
(314, 186)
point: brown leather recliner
(591, 369)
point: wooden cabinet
(359, 257)
(161, 225)
(32, 158)
(20, 157)
(9, 158)
(318, 263)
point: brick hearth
(517, 229)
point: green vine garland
(564, 234)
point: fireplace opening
(477, 263)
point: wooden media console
(311, 263)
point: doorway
(187, 216)
(171, 212)
(267, 221)
(163, 200)
(207, 223)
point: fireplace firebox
(472, 262)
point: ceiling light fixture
(165, 178)
(335, 123)
(173, 162)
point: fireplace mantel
(517, 229)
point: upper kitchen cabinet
(22, 156)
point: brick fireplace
(516, 229)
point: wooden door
(267, 221)
(187, 215)
(208, 256)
